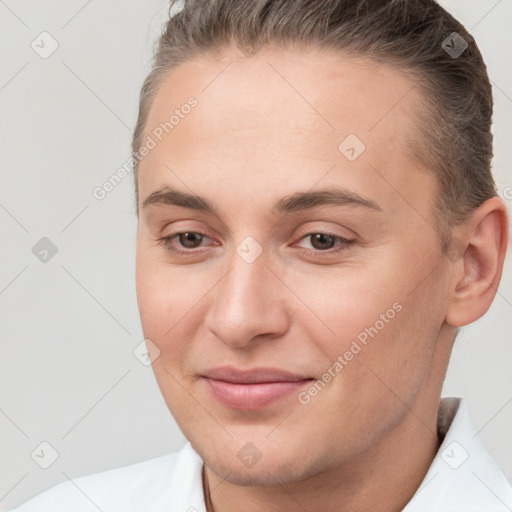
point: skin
(266, 127)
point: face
(299, 312)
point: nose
(248, 303)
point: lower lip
(250, 397)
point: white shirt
(462, 478)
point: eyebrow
(290, 203)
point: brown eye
(189, 239)
(325, 244)
(322, 241)
(183, 242)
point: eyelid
(185, 225)
(312, 228)
(326, 233)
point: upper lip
(252, 376)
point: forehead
(336, 90)
(282, 115)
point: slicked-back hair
(412, 35)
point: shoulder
(170, 480)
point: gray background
(69, 325)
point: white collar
(463, 477)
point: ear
(477, 253)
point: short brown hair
(415, 35)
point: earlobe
(481, 245)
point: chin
(247, 478)
(261, 474)
(275, 467)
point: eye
(322, 242)
(187, 240)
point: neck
(384, 478)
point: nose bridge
(247, 301)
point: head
(314, 196)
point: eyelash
(345, 243)
(166, 240)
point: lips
(252, 389)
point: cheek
(341, 304)
(372, 321)
(172, 306)
(397, 359)
(163, 306)
(151, 298)
(163, 294)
